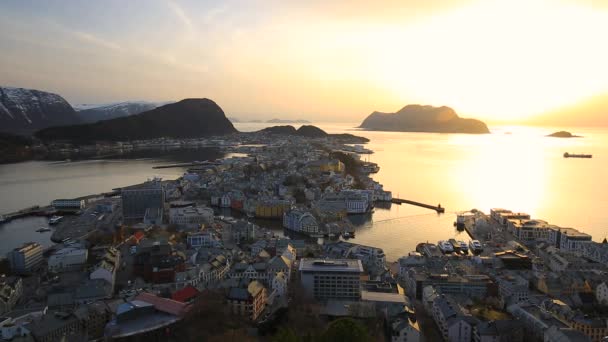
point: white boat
(43, 229)
(347, 235)
(55, 219)
(475, 246)
(2, 219)
(463, 247)
(445, 246)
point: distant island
(563, 134)
(189, 118)
(286, 121)
(312, 132)
(418, 118)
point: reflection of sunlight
(503, 172)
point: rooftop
(331, 265)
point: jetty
(439, 209)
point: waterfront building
(11, 289)
(68, 204)
(529, 230)
(190, 217)
(351, 201)
(272, 208)
(249, 301)
(300, 221)
(26, 258)
(138, 198)
(331, 278)
(569, 239)
(70, 258)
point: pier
(439, 209)
(205, 163)
(35, 210)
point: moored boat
(475, 246)
(445, 246)
(43, 229)
(572, 155)
(55, 219)
(464, 249)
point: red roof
(138, 236)
(167, 305)
(185, 294)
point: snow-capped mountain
(27, 110)
(93, 113)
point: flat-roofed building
(569, 239)
(190, 217)
(138, 198)
(68, 204)
(331, 278)
(529, 230)
(25, 258)
(68, 259)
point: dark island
(563, 134)
(313, 132)
(417, 118)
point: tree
(345, 330)
(286, 335)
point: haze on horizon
(507, 61)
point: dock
(439, 209)
(35, 210)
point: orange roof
(138, 235)
(185, 294)
(167, 305)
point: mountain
(313, 132)
(284, 121)
(27, 110)
(189, 118)
(417, 118)
(94, 113)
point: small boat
(55, 219)
(464, 249)
(347, 235)
(455, 245)
(43, 229)
(445, 246)
(568, 155)
(475, 246)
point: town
(195, 259)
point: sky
(497, 60)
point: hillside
(189, 118)
(27, 110)
(92, 113)
(313, 132)
(417, 118)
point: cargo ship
(569, 155)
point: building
(529, 230)
(569, 239)
(513, 288)
(300, 221)
(68, 204)
(26, 258)
(405, 330)
(106, 269)
(190, 217)
(249, 302)
(331, 278)
(11, 289)
(508, 330)
(68, 259)
(273, 208)
(203, 239)
(138, 198)
(443, 311)
(351, 201)
(460, 328)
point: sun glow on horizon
(499, 59)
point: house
(406, 330)
(300, 221)
(249, 301)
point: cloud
(90, 38)
(181, 14)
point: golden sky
(497, 60)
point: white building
(68, 204)
(351, 201)
(513, 288)
(68, 259)
(443, 310)
(190, 217)
(300, 221)
(279, 284)
(569, 239)
(460, 329)
(203, 239)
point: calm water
(522, 171)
